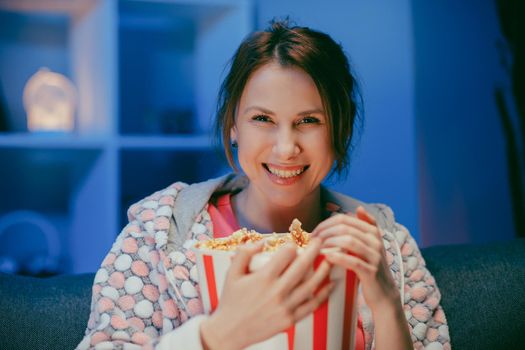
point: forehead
(279, 88)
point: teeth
(285, 174)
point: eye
(309, 120)
(261, 118)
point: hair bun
(281, 24)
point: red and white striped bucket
(331, 326)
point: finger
(299, 267)
(345, 220)
(280, 260)
(311, 305)
(307, 289)
(366, 216)
(242, 258)
(344, 230)
(349, 262)
(355, 246)
(339, 230)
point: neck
(264, 217)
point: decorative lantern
(50, 102)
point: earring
(234, 144)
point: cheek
(320, 143)
(324, 153)
(248, 155)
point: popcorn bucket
(331, 326)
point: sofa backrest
(44, 313)
(483, 293)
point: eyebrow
(267, 111)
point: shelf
(171, 61)
(29, 42)
(35, 242)
(52, 141)
(177, 142)
(74, 186)
(43, 179)
(73, 38)
(81, 142)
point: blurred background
(103, 102)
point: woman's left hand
(362, 251)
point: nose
(286, 145)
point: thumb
(243, 256)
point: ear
(233, 134)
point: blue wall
(464, 192)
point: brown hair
(319, 56)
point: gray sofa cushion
(43, 313)
(483, 289)
(483, 293)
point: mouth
(285, 173)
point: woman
(288, 106)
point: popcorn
(300, 237)
(272, 242)
(231, 243)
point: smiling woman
(289, 108)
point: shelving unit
(147, 74)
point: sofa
(482, 286)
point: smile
(285, 173)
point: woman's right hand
(258, 305)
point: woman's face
(282, 134)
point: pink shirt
(225, 223)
